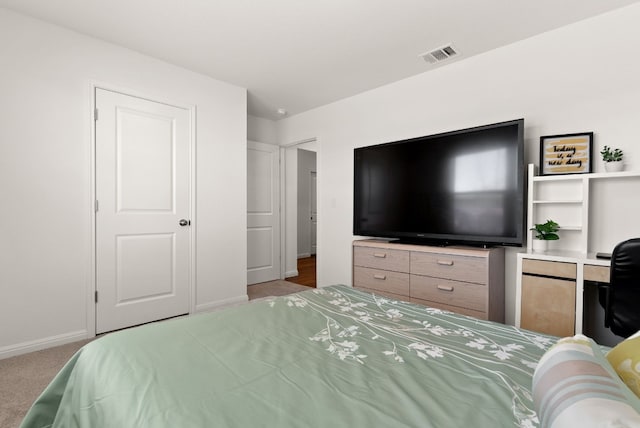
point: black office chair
(621, 297)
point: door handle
(184, 222)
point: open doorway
(301, 213)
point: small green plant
(547, 231)
(609, 155)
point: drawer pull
(378, 276)
(445, 262)
(445, 287)
(380, 255)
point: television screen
(464, 186)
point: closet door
(263, 212)
(143, 210)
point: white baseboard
(304, 255)
(39, 344)
(208, 307)
(291, 273)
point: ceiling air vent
(439, 54)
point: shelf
(559, 201)
(571, 199)
(565, 256)
(621, 174)
(590, 176)
(566, 177)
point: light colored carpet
(24, 377)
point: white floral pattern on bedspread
(360, 326)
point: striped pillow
(575, 386)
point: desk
(550, 289)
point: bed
(329, 357)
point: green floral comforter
(331, 357)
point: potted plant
(612, 159)
(545, 232)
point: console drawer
(381, 258)
(545, 268)
(454, 293)
(381, 280)
(459, 268)
(596, 273)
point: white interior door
(263, 212)
(313, 211)
(143, 196)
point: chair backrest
(624, 298)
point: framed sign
(566, 154)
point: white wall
(262, 130)
(579, 78)
(45, 176)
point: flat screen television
(460, 187)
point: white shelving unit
(566, 200)
(595, 211)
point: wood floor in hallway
(306, 272)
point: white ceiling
(301, 54)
